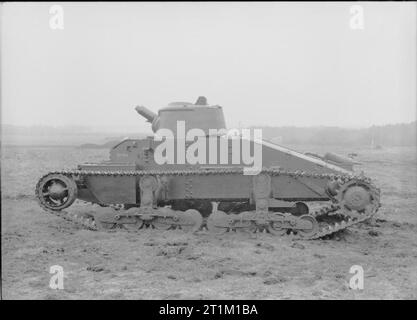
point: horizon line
(103, 126)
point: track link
(331, 218)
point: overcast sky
(265, 63)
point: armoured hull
(137, 155)
(222, 188)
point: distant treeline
(387, 135)
(62, 136)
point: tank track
(332, 218)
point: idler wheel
(356, 198)
(190, 220)
(218, 222)
(56, 191)
(308, 226)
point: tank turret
(199, 115)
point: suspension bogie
(250, 208)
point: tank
(217, 189)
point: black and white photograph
(208, 151)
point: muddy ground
(175, 265)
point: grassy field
(174, 265)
